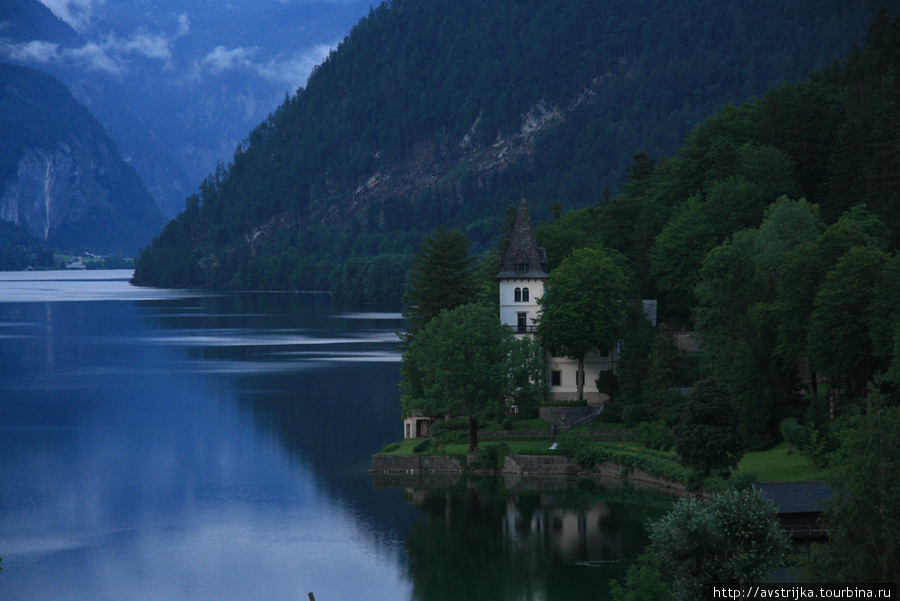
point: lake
(166, 445)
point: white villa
(523, 272)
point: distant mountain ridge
(446, 112)
(177, 83)
(61, 177)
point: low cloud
(142, 43)
(221, 59)
(77, 13)
(109, 55)
(31, 52)
(291, 71)
(184, 25)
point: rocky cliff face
(61, 178)
(48, 191)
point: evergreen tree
(442, 276)
(708, 438)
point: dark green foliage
(459, 365)
(707, 438)
(395, 132)
(863, 517)
(390, 447)
(643, 581)
(442, 276)
(584, 306)
(19, 250)
(492, 456)
(645, 371)
(655, 435)
(795, 434)
(578, 446)
(734, 537)
(453, 431)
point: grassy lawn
(775, 465)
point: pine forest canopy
(444, 113)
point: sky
(115, 40)
(179, 83)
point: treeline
(419, 91)
(773, 232)
(19, 251)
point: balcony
(522, 329)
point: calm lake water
(170, 445)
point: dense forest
(445, 113)
(774, 232)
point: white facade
(523, 273)
(519, 311)
(518, 303)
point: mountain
(176, 83)
(61, 177)
(446, 112)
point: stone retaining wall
(405, 471)
(412, 464)
(539, 464)
(564, 416)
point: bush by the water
(578, 446)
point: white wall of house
(594, 363)
(510, 308)
(567, 368)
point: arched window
(524, 295)
(518, 295)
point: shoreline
(515, 465)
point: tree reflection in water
(530, 538)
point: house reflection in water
(527, 537)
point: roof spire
(523, 258)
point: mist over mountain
(176, 83)
(62, 180)
(446, 112)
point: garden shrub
(655, 435)
(491, 456)
(454, 431)
(578, 446)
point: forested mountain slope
(774, 232)
(61, 177)
(447, 112)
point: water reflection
(215, 447)
(188, 448)
(524, 538)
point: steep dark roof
(796, 497)
(523, 258)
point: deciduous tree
(863, 518)
(735, 537)
(461, 365)
(584, 306)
